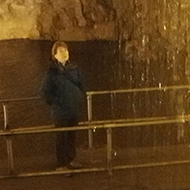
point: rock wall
(18, 19)
(153, 43)
(154, 40)
(149, 30)
(157, 33)
(61, 19)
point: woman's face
(62, 54)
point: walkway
(173, 177)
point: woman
(62, 89)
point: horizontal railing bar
(19, 99)
(110, 92)
(132, 166)
(100, 122)
(127, 120)
(46, 173)
(180, 119)
(148, 165)
(139, 90)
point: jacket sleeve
(81, 81)
(48, 89)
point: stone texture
(18, 19)
(76, 20)
(61, 19)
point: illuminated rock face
(18, 19)
(61, 19)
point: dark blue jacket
(62, 89)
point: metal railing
(90, 125)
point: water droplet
(94, 130)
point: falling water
(154, 49)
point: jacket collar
(55, 65)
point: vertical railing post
(5, 116)
(109, 151)
(8, 141)
(90, 132)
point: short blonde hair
(55, 46)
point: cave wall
(62, 19)
(153, 36)
(136, 43)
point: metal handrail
(19, 99)
(108, 126)
(100, 122)
(160, 88)
(178, 119)
(90, 124)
